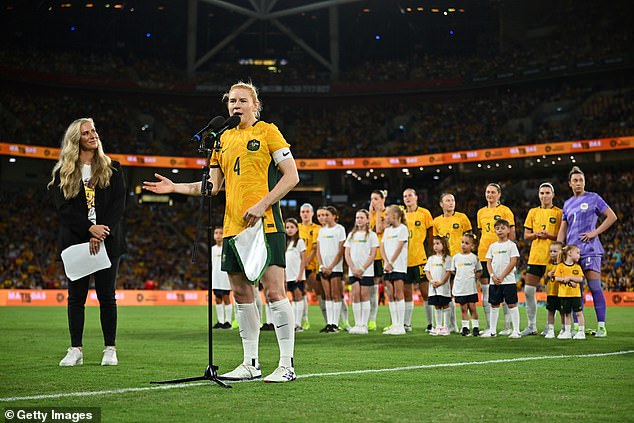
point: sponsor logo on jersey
(584, 206)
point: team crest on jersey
(552, 220)
(497, 217)
(417, 223)
(575, 272)
(253, 145)
(456, 226)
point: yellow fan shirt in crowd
(309, 234)
(452, 227)
(539, 219)
(418, 222)
(245, 159)
(487, 216)
(564, 270)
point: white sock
(343, 313)
(409, 310)
(582, 328)
(283, 319)
(220, 313)
(269, 317)
(446, 314)
(465, 324)
(400, 312)
(374, 302)
(428, 312)
(453, 320)
(567, 328)
(515, 318)
(249, 323)
(322, 307)
(365, 312)
(550, 326)
(485, 304)
(392, 306)
(336, 312)
(299, 312)
(475, 323)
(356, 311)
(305, 313)
(507, 316)
(493, 319)
(258, 302)
(601, 325)
(329, 312)
(228, 312)
(531, 306)
(438, 313)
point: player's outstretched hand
(163, 186)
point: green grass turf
(158, 343)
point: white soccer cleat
(601, 333)
(579, 335)
(74, 357)
(109, 357)
(444, 332)
(564, 335)
(515, 335)
(408, 328)
(550, 334)
(528, 332)
(281, 374)
(488, 334)
(242, 372)
(506, 331)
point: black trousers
(105, 282)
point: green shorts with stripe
(277, 250)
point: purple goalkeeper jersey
(582, 213)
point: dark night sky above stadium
(369, 29)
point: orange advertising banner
(488, 154)
(58, 297)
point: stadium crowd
(160, 237)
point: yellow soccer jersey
(487, 216)
(539, 219)
(418, 222)
(246, 161)
(452, 228)
(563, 270)
(309, 235)
(380, 235)
(552, 286)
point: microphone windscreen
(232, 122)
(216, 122)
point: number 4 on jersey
(236, 165)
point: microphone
(213, 124)
(230, 123)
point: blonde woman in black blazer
(89, 194)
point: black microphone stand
(211, 372)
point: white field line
(312, 375)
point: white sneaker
(550, 334)
(515, 335)
(408, 328)
(528, 332)
(488, 334)
(544, 332)
(506, 331)
(601, 333)
(363, 330)
(434, 331)
(74, 357)
(395, 330)
(242, 372)
(356, 330)
(444, 332)
(281, 374)
(564, 335)
(109, 357)
(579, 335)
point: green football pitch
(341, 377)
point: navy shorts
(293, 285)
(570, 304)
(221, 292)
(466, 299)
(439, 300)
(485, 271)
(364, 281)
(415, 273)
(499, 294)
(395, 276)
(331, 275)
(552, 303)
(536, 269)
(378, 268)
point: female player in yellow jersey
(419, 224)
(541, 228)
(256, 165)
(308, 231)
(451, 224)
(486, 218)
(377, 224)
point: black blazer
(109, 206)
